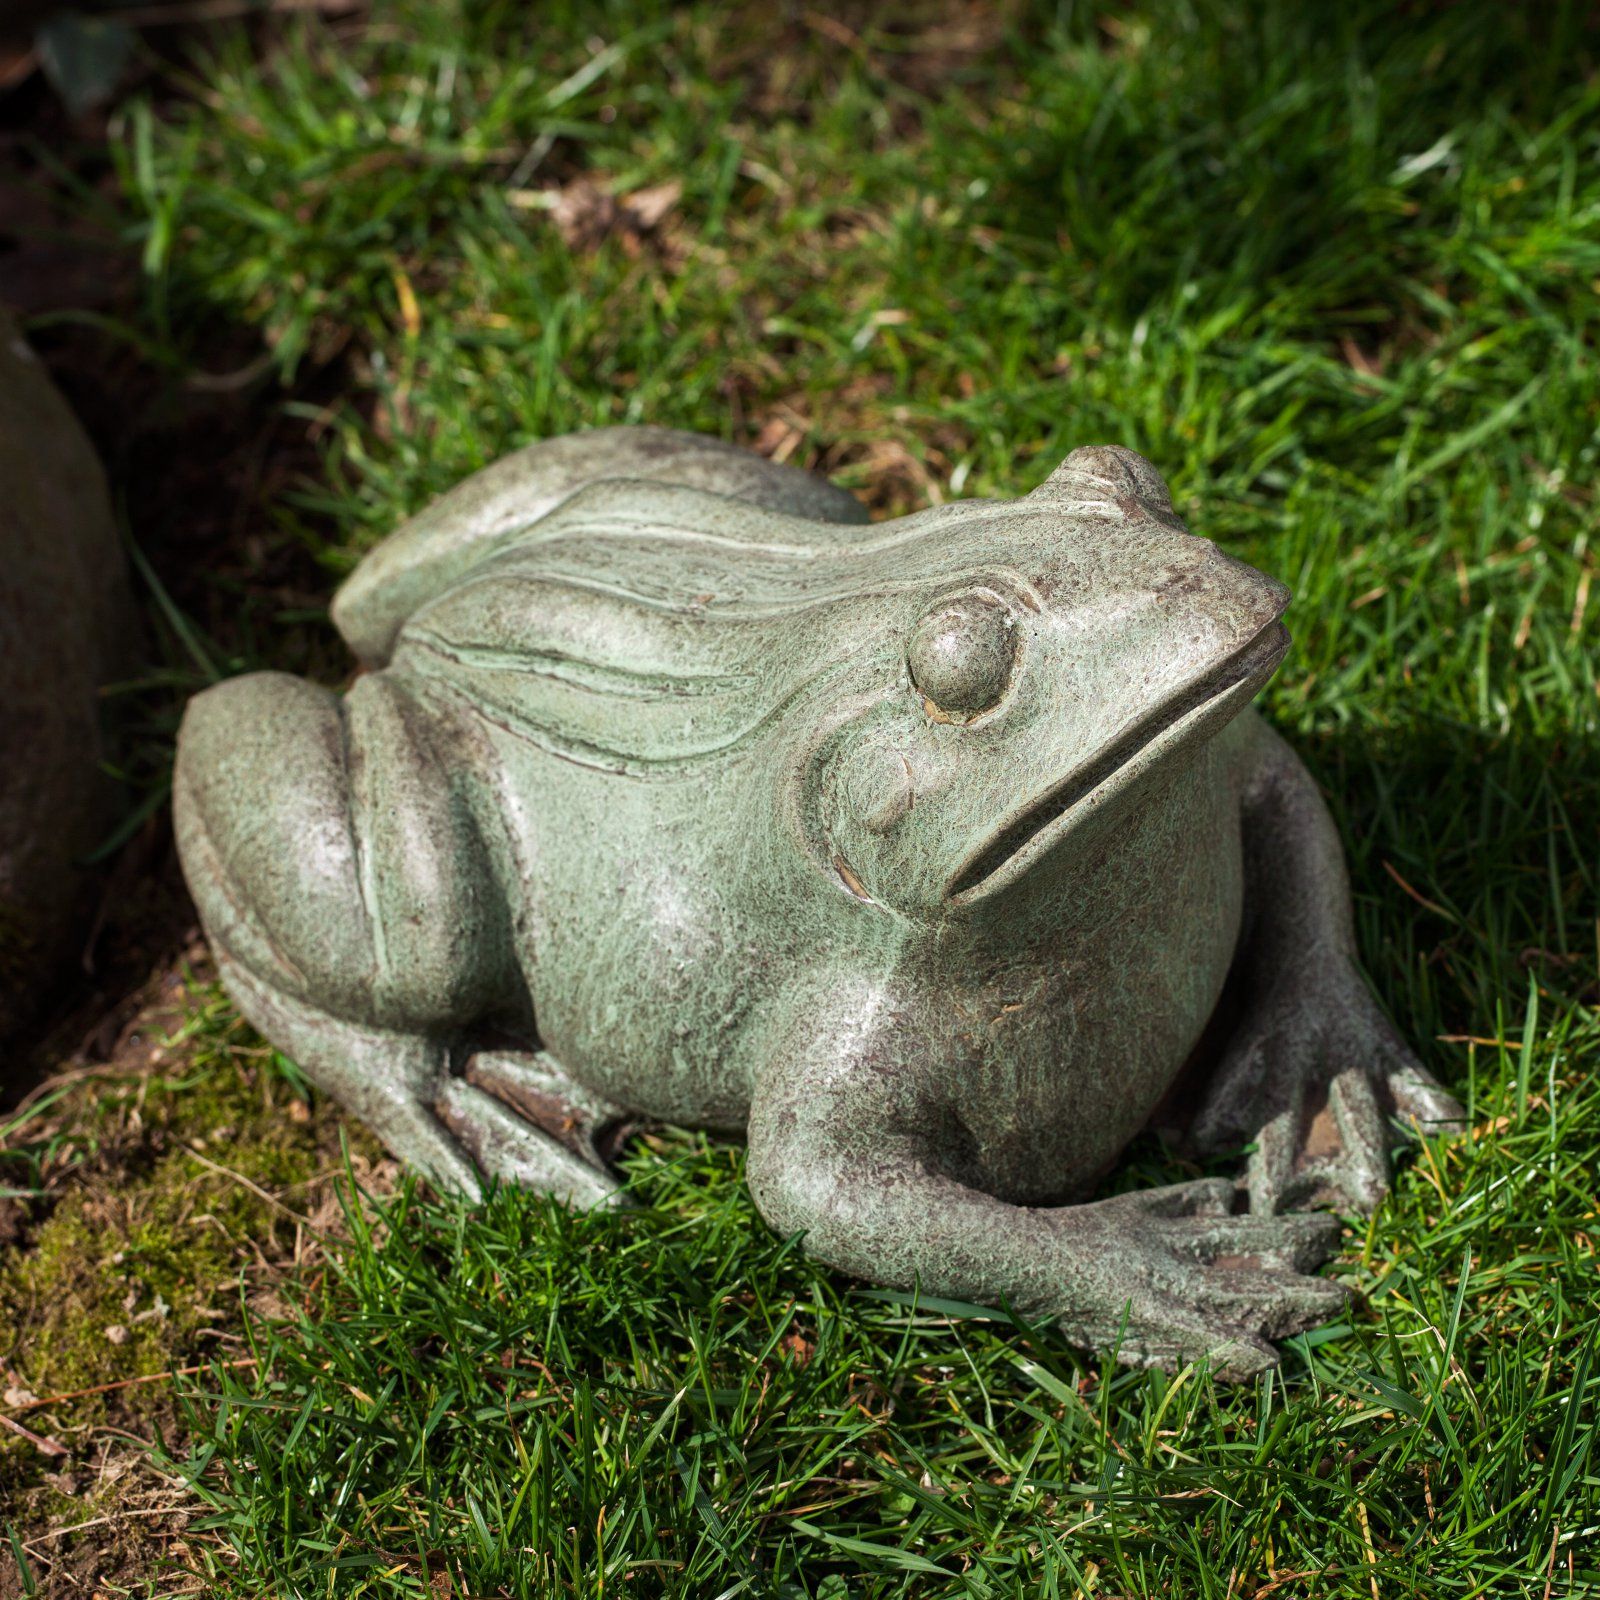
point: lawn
(1334, 269)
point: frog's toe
(1360, 1175)
(515, 1151)
(1419, 1101)
(1297, 1241)
(1242, 1358)
(1332, 1153)
(1170, 1331)
(1196, 1221)
(533, 1084)
(1204, 1197)
(1273, 1305)
(1234, 1357)
(418, 1137)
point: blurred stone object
(66, 628)
(82, 51)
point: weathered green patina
(942, 856)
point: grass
(1334, 269)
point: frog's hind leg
(536, 1085)
(354, 917)
(382, 1076)
(399, 1084)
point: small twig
(45, 1447)
(1421, 899)
(99, 1522)
(124, 1383)
(230, 382)
(1292, 1577)
(256, 1189)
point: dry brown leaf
(798, 1347)
(586, 213)
(1369, 366)
(779, 439)
(647, 208)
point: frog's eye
(961, 656)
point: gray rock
(65, 628)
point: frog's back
(641, 627)
(424, 557)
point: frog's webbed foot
(451, 1131)
(1172, 1276)
(1313, 1076)
(534, 1084)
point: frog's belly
(1074, 1047)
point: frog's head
(1048, 658)
(942, 703)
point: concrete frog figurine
(940, 856)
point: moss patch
(155, 1195)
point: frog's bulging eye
(961, 657)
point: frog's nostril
(1175, 585)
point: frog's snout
(1237, 600)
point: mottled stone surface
(930, 854)
(65, 628)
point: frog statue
(939, 857)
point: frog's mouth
(1136, 750)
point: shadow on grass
(1476, 871)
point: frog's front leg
(354, 919)
(854, 1146)
(1313, 1070)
